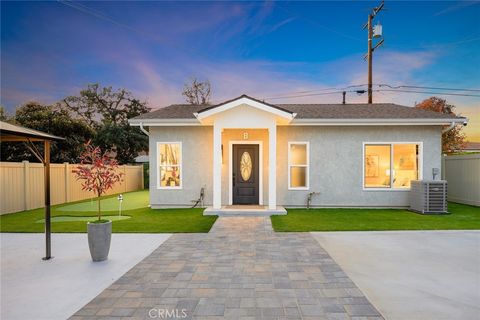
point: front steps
(245, 211)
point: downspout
(450, 127)
(143, 129)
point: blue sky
(265, 49)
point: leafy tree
(124, 140)
(107, 110)
(53, 120)
(97, 170)
(103, 105)
(453, 139)
(197, 92)
(3, 114)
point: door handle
(233, 179)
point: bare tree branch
(197, 92)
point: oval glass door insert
(246, 166)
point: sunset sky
(265, 49)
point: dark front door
(245, 174)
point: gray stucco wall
(197, 159)
(335, 164)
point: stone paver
(240, 270)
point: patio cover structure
(13, 133)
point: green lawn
(142, 219)
(461, 217)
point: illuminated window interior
(390, 165)
(298, 165)
(170, 159)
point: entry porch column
(217, 166)
(272, 167)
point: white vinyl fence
(22, 184)
(463, 175)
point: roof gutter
(453, 124)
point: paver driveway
(240, 270)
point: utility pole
(377, 33)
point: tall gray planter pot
(99, 236)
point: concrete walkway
(240, 270)
(55, 289)
(412, 274)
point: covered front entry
(245, 174)
(245, 181)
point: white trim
(307, 187)
(392, 143)
(230, 168)
(163, 122)
(272, 167)
(301, 122)
(217, 167)
(247, 101)
(309, 122)
(376, 122)
(180, 166)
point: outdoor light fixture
(120, 200)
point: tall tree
(3, 114)
(53, 120)
(453, 139)
(104, 105)
(197, 92)
(107, 110)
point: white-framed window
(391, 165)
(169, 174)
(298, 165)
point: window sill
(385, 189)
(169, 188)
(299, 189)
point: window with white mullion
(391, 165)
(298, 165)
(169, 165)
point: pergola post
(46, 163)
(13, 133)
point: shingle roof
(315, 111)
(362, 111)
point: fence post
(142, 186)
(67, 182)
(26, 193)
(125, 178)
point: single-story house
(249, 152)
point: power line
(337, 89)
(422, 87)
(152, 36)
(428, 92)
(325, 89)
(376, 90)
(314, 94)
(315, 23)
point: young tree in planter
(97, 171)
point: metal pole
(369, 57)
(48, 249)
